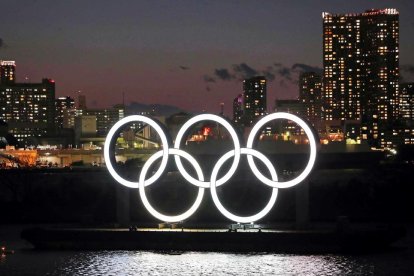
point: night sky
(190, 54)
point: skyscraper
(7, 72)
(342, 62)
(380, 98)
(361, 70)
(310, 95)
(406, 101)
(254, 97)
(406, 113)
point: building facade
(361, 71)
(342, 62)
(295, 107)
(238, 109)
(310, 95)
(406, 101)
(28, 108)
(406, 113)
(105, 118)
(254, 99)
(64, 107)
(7, 72)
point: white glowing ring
(273, 182)
(144, 199)
(312, 143)
(233, 134)
(216, 200)
(110, 136)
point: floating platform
(217, 240)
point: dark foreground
(218, 240)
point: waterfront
(26, 261)
(380, 194)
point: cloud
(277, 71)
(1, 43)
(238, 72)
(244, 71)
(223, 74)
(207, 78)
(269, 75)
(182, 67)
(284, 72)
(307, 68)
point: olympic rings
(214, 182)
(216, 200)
(233, 134)
(312, 143)
(108, 141)
(144, 199)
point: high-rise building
(380, 98)
(406, 112)
(361, 70)
(28, 108)
(406, 101)
(254, 97)
(238, 109)
(310, 95)
(64, 105)
(342, 62)
(7, 72)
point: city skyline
(355, 98)
(143, 55)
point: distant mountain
(157, 109)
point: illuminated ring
(110, 136)
(236, 151)
(144, 199)
(312, 143)
(216, 200)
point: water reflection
(189, 263)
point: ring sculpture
(214, 182)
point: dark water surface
(26, 261)
(196, 263)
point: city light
(233, 134)
(312, 142)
